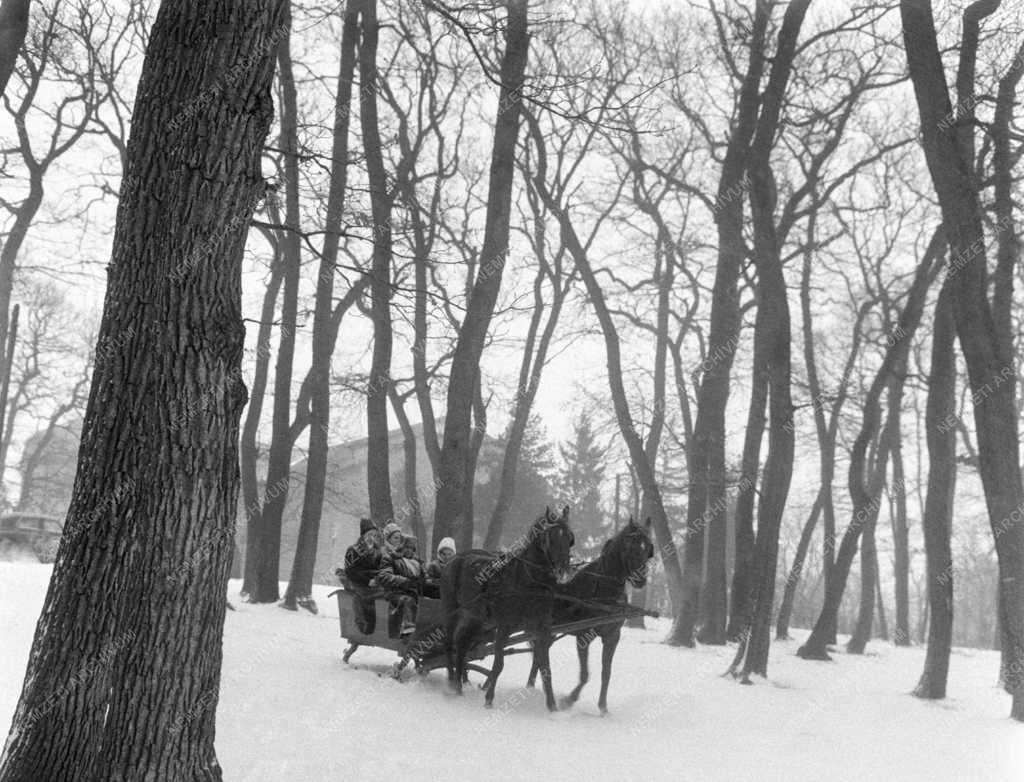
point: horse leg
(531, 680)
(608, 644)
(500, 639)
(449, 651)
(583, 651)
(463, 633)
(541, 649)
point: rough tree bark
(124, 672)
(987, 347)
(300, 586)
(940, 428)
(454, 468)
(706, 506)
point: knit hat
(390, 529)
(365, 525)
(446, 543)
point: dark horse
(602, 582)
(510, 591)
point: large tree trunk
(865, 491)
(454, 470)
(707, 503)
(265, 587)
(300, 586)
(136, 599)
(378, 463)
(940, 426)
(987, 348)
(13, 28)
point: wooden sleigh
(425, 648)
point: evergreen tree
(580, 477)
(533, 488)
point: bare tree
(300, 585)
(454, 469)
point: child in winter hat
(390, 531)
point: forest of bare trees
(745, 268)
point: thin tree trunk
(300, 586)
(249, 451)
(124, 672)
(265, 587)
(7, 356)
(634, 444)
(901, 545)
(940, 421)
(378, 463)
(789, 592)
(987, 348)
(890, 438)
(744, 555)
(883, 625)
(864, 495)
(529, 381)
(772, 338)
(706, 504)
(449, 515)
(412, 510)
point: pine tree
(533, 480)
(580, 476)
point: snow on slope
(291, 710)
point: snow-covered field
(291, 710)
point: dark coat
(433, 572)
(400, 574)
(362, 562)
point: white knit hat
(446, 543)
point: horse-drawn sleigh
(523, 612)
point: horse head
(554, 540)
(634, 547)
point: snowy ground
(291, 710)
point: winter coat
(400, 574)
(362, 563)
(433, 571)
